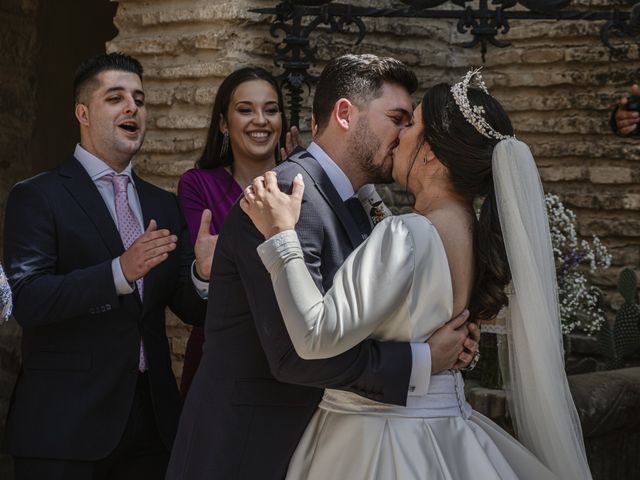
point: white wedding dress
(395, 287)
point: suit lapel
(77, 182)
(322, 183)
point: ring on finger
(474, 361)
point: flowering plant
(5, 297)
(579, 302)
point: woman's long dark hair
(212, 155)
(467, 154)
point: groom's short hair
(359, 78)
(85, 81)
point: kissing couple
(327, 356)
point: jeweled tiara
(474, 113)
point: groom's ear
(342, 113)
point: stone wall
(557, 81)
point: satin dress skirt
(435, 437)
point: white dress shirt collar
(97, 168)
(338, 178)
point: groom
(252, 396)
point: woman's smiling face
(254, 121)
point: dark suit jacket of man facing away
(81, 340)
(252, 396)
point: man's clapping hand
(148, 250)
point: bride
(460, 146)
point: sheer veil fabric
(542, 408)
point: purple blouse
(201, 188)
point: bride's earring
(425, 160)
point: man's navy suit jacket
(81, 340)
(253, 396)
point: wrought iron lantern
(295, 20)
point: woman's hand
(271, 210)
(292, 140)
(205, 246)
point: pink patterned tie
(130, 230)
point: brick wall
(557, 81)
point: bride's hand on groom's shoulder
(271, 210)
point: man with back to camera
(253, 396)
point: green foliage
(623, 337)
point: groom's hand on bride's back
(453, 344)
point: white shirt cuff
(420, 369)
(123, 287)
(202, 287)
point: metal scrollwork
(296, 20)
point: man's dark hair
(359, 78)
(88, 70)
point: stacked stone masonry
(557, 81)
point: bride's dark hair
(467, 154)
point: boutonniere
(373, 204)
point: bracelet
(474, 362)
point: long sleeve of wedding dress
(372, 286)
(396, 286)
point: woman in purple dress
(247, 128)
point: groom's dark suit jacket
(81, 340)
(252, 396)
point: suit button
(108, 306)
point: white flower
(579, 302)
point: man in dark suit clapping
(94, 254)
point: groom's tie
(359, 216)
(129, 229)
